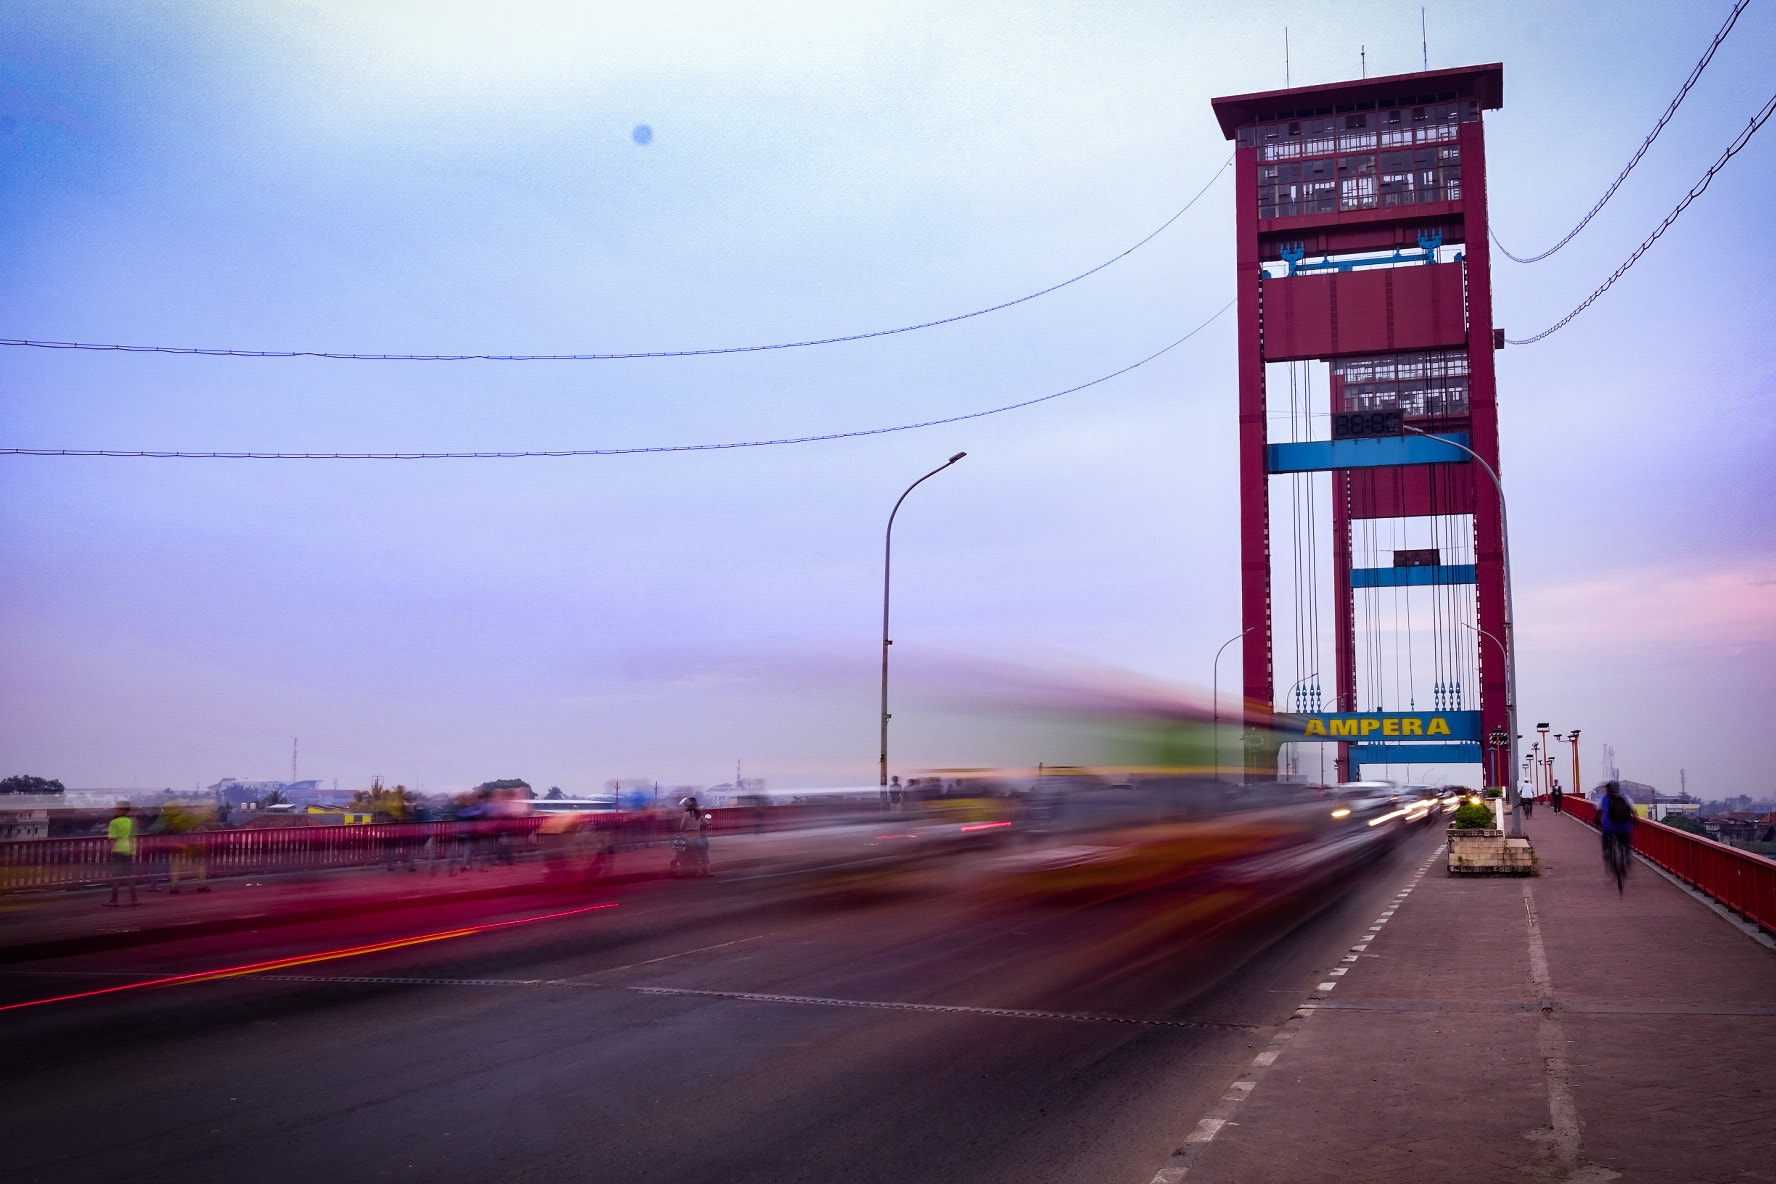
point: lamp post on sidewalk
(1510, 642)
(1215, 696)
(1547, 761)
(887, 558)
(1578, 787)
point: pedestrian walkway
(1494, 1029)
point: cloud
(1729, 605)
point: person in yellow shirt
(122, 833)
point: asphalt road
(701, 1031)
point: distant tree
(397, 803)
(25, 783)
(1684, 822)
(509, 783)
(554, 794)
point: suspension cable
(632, 355)
(1639, 152)
(1696, 191)
(561, 452)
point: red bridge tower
(1361, 215)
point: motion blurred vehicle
(578, 845)
(1355, 802)
(1420, 803)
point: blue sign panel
(1406, 726)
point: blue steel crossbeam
(1413, 577)
(1466, 753)
(1428, 242)
(1377, 452)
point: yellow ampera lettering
(1412, 726)
(1369, 725)
(1316, 727)
(1439, 726)
(1344, 727)
(1390, 726)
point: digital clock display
(1354, 425)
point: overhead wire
(567, 452)
(631, 355)
(1733, 149)
(1645, 144)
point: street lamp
(887, 557)
(1547, 761)
(1215, 695)
(1574, 741)
(1510, 642)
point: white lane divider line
(1016, 1013)
(580, 980)
(1178, 1166)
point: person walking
(1559, 797)
(122, 833)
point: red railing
(1744, 882)
(66, 863)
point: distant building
(1748, 830)
(1650, 802)
(236, 792)
(23, 824)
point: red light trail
(204, 976)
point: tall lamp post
(1547, 761)
(887, 558)
(1215, 695)
(1510, 641)
(1573, 740)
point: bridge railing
(71, 862)
(1744, 882)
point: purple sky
(466, 178)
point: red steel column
(1489, 550)
(1255, 649)
(1344, 603)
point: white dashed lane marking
(1178, 1166)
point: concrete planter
(1489, 853)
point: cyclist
(691, 854)
(1615, 821)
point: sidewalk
(1493, 1029)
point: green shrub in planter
(1493, 791)
(1473, 817)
